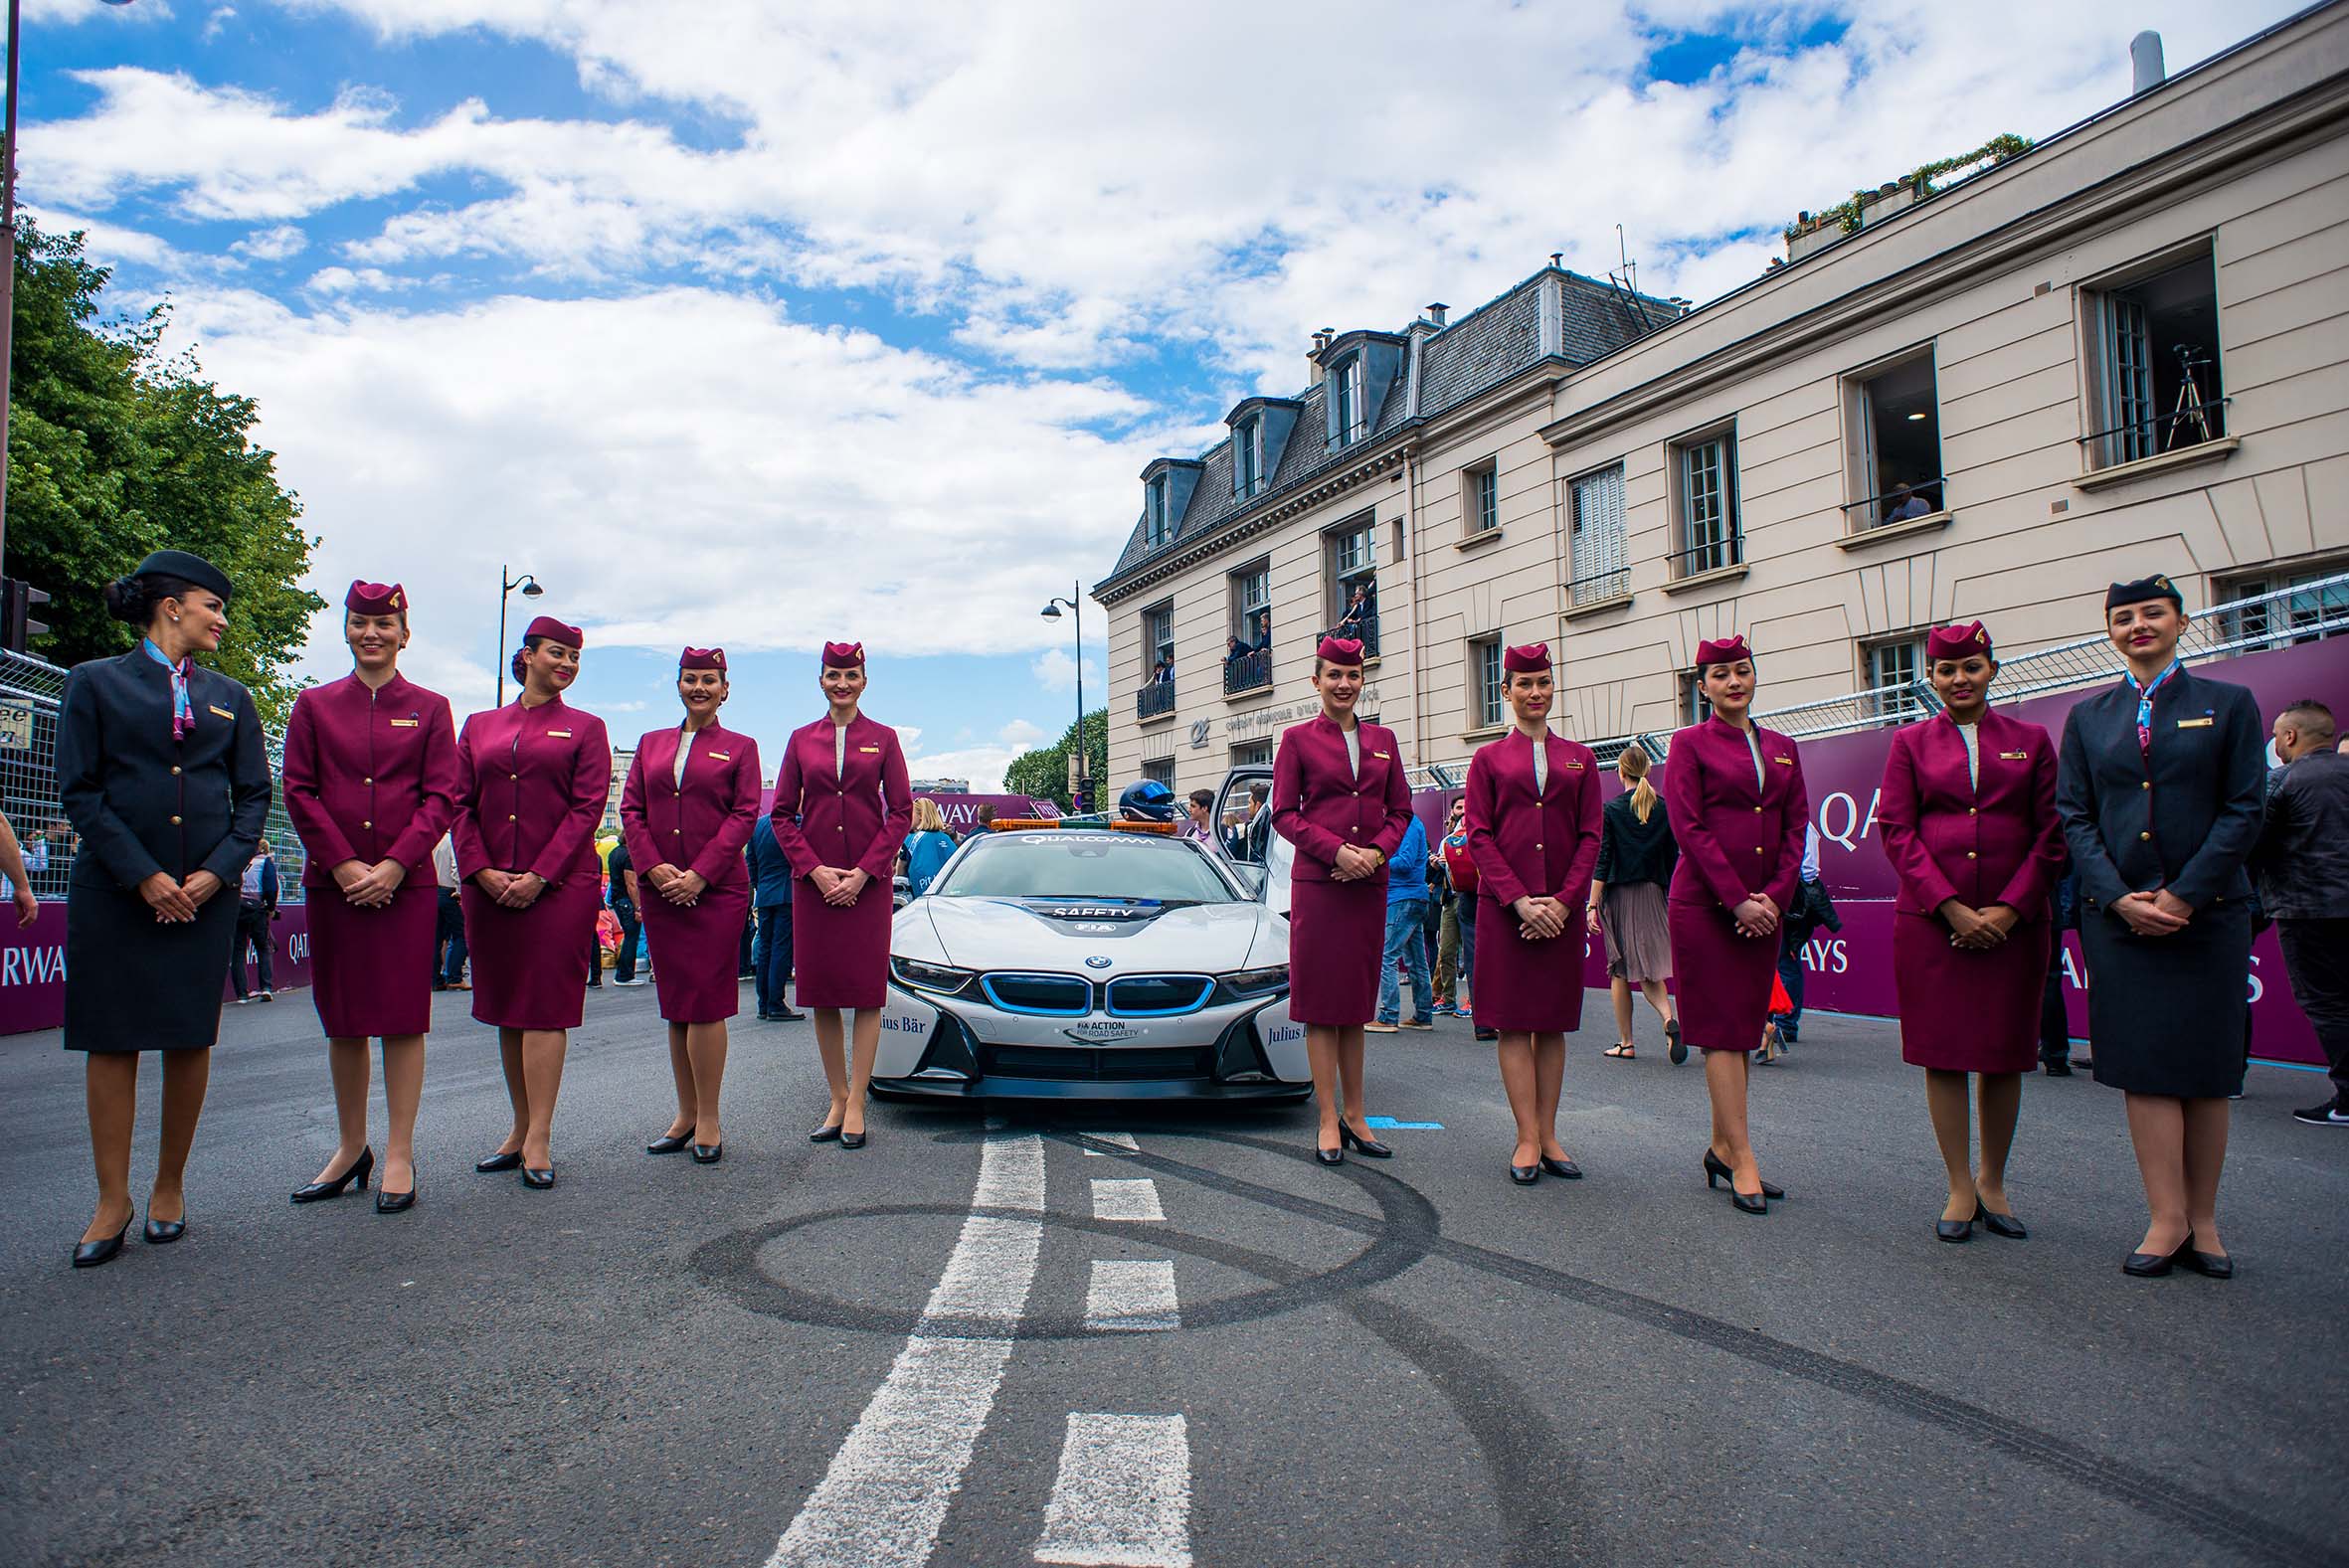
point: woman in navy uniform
(2161, 792)
(1340, 797)
(687, 809)
(843, 804)
(369, 783)
(162, 770)
(1738, 806)
(532, 779)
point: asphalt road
(1407, 1362)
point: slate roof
(1492, 343)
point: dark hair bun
(126, 600)
(519, 660)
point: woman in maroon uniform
(842, 806)
(1533, 830)
(687, 809)
(1968, 814)
(1340, 797)
(369, 783)
(532, 779)
(1735, 795)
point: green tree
(1044, 772)
(114, 449)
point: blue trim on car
(1206, 984)
(987, 986)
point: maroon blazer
(370, 776)
(1736, 841)
(1998, 843)
(1524, 843)
(530, 791)
(1320, 805)
(702, 827)
(857, 817)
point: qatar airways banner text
(33, 965)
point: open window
(1351, 603)
(1705, 501)
(1893, 424)
(2153, 370)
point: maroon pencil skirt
(841, 955)
(371, 969)
(1721, 980)
(530, 965)
(694, 951)
(1336, 940)
(1966, 1011)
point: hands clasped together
(1354, 863)
(1978, 930)
(369, 887)
(1538, 917)
(1758, 916)
(839, 888)
(174, 903)
(681, 888)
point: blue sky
(753, 326)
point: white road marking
(1127, 1200)
(1123, 1494)
(1132, 1295)
(1119, 1142)
(887, 1494)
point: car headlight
(1241, 985)
(942, 979)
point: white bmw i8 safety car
(1061, 961)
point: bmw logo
(1097, 962)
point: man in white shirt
(449, 935)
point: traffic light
(18, 599)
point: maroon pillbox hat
(1958, 642)
(843, 655)
(1340, 650)
(704, 659)
(375, 598)
(1725, 650)
(1529, 659)
(554, 630)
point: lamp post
(1076, 604)
(506, 585)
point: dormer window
(1351, 414)
(1155, 503)
(1247, 458)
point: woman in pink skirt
(842, 806)
(1969, 822)
(687, 809)
(1533, 830)
(1738, 808)
(1339, 795)
(532, 779)
(369, 783)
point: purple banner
(33, 965)
(1850, 971)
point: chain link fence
(31, 692)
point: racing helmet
(1147, 800)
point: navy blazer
(770, 873)
(144, 802)
(2183, 818)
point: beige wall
(2251, 155)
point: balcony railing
(2190, 425)
(1599, 588)
(1362, 627)
(1711, 555)
(1154, 701)
(1247, 672)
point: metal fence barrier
(31, 691)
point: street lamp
(530, 590)
(1052, 608)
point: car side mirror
(1251, 877)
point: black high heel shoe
(2153, 1265)
(708, 1153)
(1347, 1139)
(1714, 1168)
(2000, 1223)
(2210, 1265)
(670, 1143)
(90, 1253)
(1564, 1169)
(1524, 1175)
(1679, 1051)
(1955, 1230)
(506, 1160)
(1333, 1156)
(538, 1177)
(825, 1135)
(390, 1202)
(850, 1139)
(318, 1191)
(162, 1233)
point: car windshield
(1098, 865)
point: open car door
(1243, 832)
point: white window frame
(2126, 421)
(1160, 768)
(1351, 417)
(1155, 510)
(1152, 644)
(1246, 608)
(1887, 661)
(1247, 457)
(1694, 709)
(1480, 500)
(1865, 505)
(1488, 684)
(1251, 754)
(1598, 542)
(1716, 533)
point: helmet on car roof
(1147, 800)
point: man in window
(1162, 672)
(1200, 824)
(1905, 502)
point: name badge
(2182, 724)
(1571, 763)
(2013, 757)
(1382, 757)
(223, 713)
(721, 757)
(1787, 761)
(560, 735)
(403, 723)
(868, 748)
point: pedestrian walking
(771, 952)
(1533, 828)
(1812, 910)
(1447, 927)
(1460, 866)
(160, 768)
(449, 960)
(2159, 787)
(620, 875)
(1968, 815)
(842, 806)
(2055, 1017)
(371, 786)
(1636, 856)
(1340, 798)
(688, 807)
(927, 848)
(532, 779)
(1738, 806)
(1404, 945)
(256, 910)
(2302, 863)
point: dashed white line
(1127, 1200)
(1119, 1143)
(1132, 1295)
(887, 1494)
(1123, 1494)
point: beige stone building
(2123, 351)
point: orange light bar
(1029, 824)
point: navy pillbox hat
(188, 567)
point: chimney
(1437, 311)
(1313, 357)
(2145, 69)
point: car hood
(1060, 935)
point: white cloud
(218, 22)
(365, 280)
(272, 244)
(50, 13)
(1021, 734)
(1056, 671)
(110, 242)
(982, 764)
